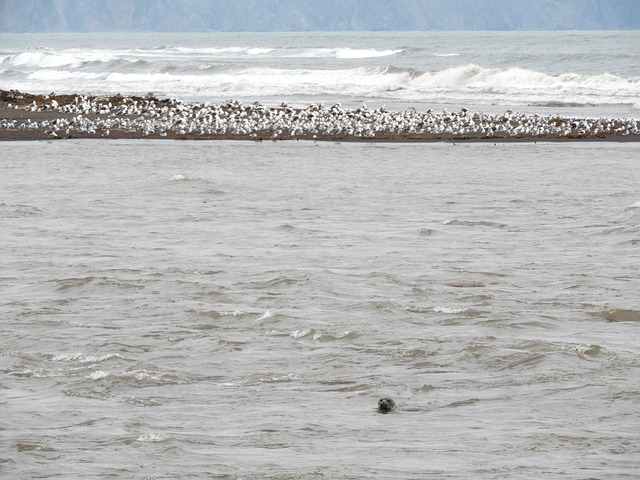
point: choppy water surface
(234, 310)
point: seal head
(386, 405)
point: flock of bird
(149, 117)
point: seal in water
(386, 405)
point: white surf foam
(83, 358)
(41, 59)
(208, 72)
(155, 437)
(98, 374)
(364, 53)
(259, 51)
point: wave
(83, 358)
(365, 53)
(620, 315)
(58, 75)
(102, 72)
(212, 51)
(495, 80)
(452, 310)
(156, 437)
(48, 59)
(45, 58)
(284, 52)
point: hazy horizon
(55, 16)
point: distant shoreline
(25, 117)
(333, 15)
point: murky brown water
(235, 310)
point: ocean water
(587, 73)
(235, 310)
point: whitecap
(349, 335)
(42, 60)
(582, 350)
(60, 75)
(178, 178)
(75, 70)
(289, 377)
(232, 313)
(98, 374)
(519, 84)
(275, 333)
(301, 333)
(82, 358)
(259, 51)
(37, 373)
(155, 437)
(68, 357)
(365, 53)
(100, 358)
(138, 375)
(441, 309)
(328, 337)
(311, 53)
(143, 402)
(266, 316)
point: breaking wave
(335, 72)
